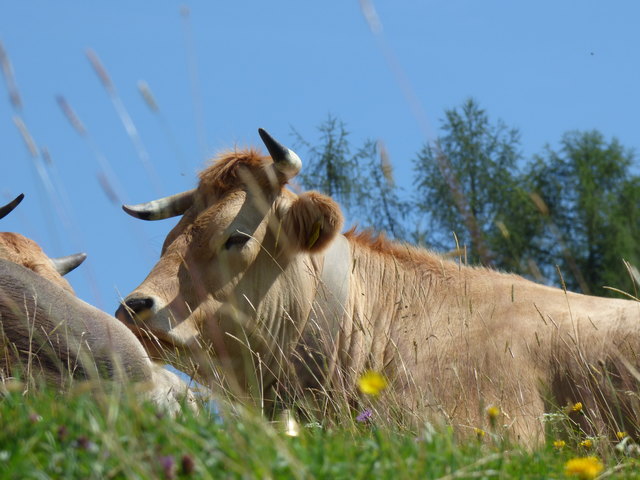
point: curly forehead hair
(224, 173)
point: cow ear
(312, 221)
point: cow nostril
(134, 308)
(137, 305)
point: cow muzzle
(134, 310)
(154, 323)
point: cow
(258, 282)
(19, 249)
(47, 333)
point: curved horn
(162, 208)
(64, 265)
(6, 210)
(285, 160)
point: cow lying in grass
(260, 281)
(49, 334)
(23, 251)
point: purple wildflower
(168, 466)
(364, 416)
(83, 443)
(63, 433)
(34, 417)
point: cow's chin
(158, 350)
(163, 346)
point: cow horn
(162, 208)
(64, 265)
(285, 160)
(6, 210)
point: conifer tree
(468, 184)
(360, 179)
(592, 201)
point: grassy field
(97, 435)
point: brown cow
(261, 280)
(46, 332)
(24, 251)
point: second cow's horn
(64, 265)
(6, 210)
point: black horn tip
(4, 211)
(275, 148)
(264, 134)
(162, 208)
(137, 212)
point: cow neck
(317, 351)
(333, 288)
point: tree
(360, 181)
(593, 212)
(577, 209)
(329, 166)
(467, 183)
(379, 204)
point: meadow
(92, 433)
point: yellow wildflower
(559, 444)
(621, 435)
(480, 433)
(372, 383)
(588, 443)
(493, 412)
(577, 407)
(586, 468)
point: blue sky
(227, 68)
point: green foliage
(379, 201)
(593, 219)
(330, 166)
(467, 183)
(576, 209)
(360, 179)
(49, 435)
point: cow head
(236, 275)
(23, 251)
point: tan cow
(24, 251)
(46, 332)
(261, 280)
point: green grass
(49, 435)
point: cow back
(45, 331)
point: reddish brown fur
(379, 243)
(402, 252)
(313, 214)
(24, 251)
(308, 212)
(224, 173)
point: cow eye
(238, 239)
